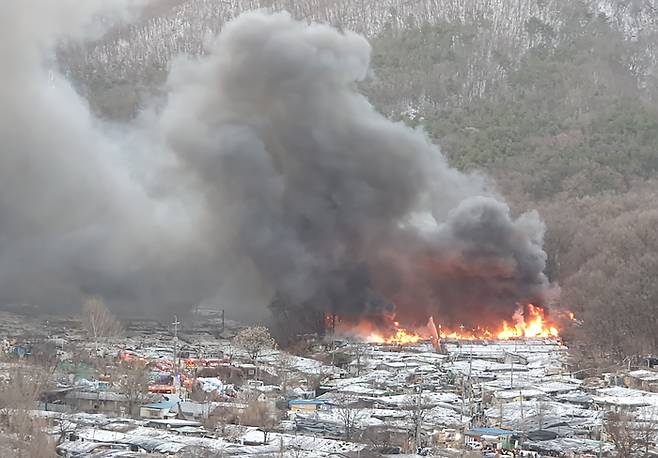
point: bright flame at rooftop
(527, 322)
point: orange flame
(534, 326)
(527, 322)
(401, 337)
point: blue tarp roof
(169, 403)
(489, 432)
(161, 405)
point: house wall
(640, 384)
(52, 407)
(304, 407)
(146, 412)
(97, 405)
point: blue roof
(171, 397)
(161, 405)
(307, 401)
(489, 432)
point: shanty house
(308, 405)
(97, 402)
(160, 410)
(643, 380)
(495, 437)
(171, 423)
(196, 410)
(54, 400)
(167, 408)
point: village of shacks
(328, 228)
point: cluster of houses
(498, 397)
(482, 398)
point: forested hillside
(554, 98)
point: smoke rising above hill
(331, 204)
(74, 220)
(264, 174)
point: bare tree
(359, 350)
(62, 428)
(417, 404)
(220, 418)
(235, 433)
(285, 366)
(631, 435)
(261, 414)
(294, 451)
(132, 381)
(646, 429)
(350, 416)
(98, 321)
(606, 271)
(45, 355)
(542, 409)
(22, 432)
(254, 340)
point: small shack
(308, 405)
(642, 379)
(160, 410)
(493, 437)
(97, 402)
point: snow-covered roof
(98, 395)
(627, 397)
(564, 444)
(514, 394)
(426, 398)
(358, 389)
(557, 387)
(644, 375)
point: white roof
(557, 387)
(647, 376)
(513, 394)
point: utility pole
(175, 324)
(222, 331)
(333, 338)
(511, 376)
(470, 388)
(461, 411)
(521, 403)
(417, 420)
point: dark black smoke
(323, 201)
(265, 175)
(475, 268)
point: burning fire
(527, 322)
(534, 326)
(401, 336)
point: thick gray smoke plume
(265, 175)
(73, 219)
(320, 199)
